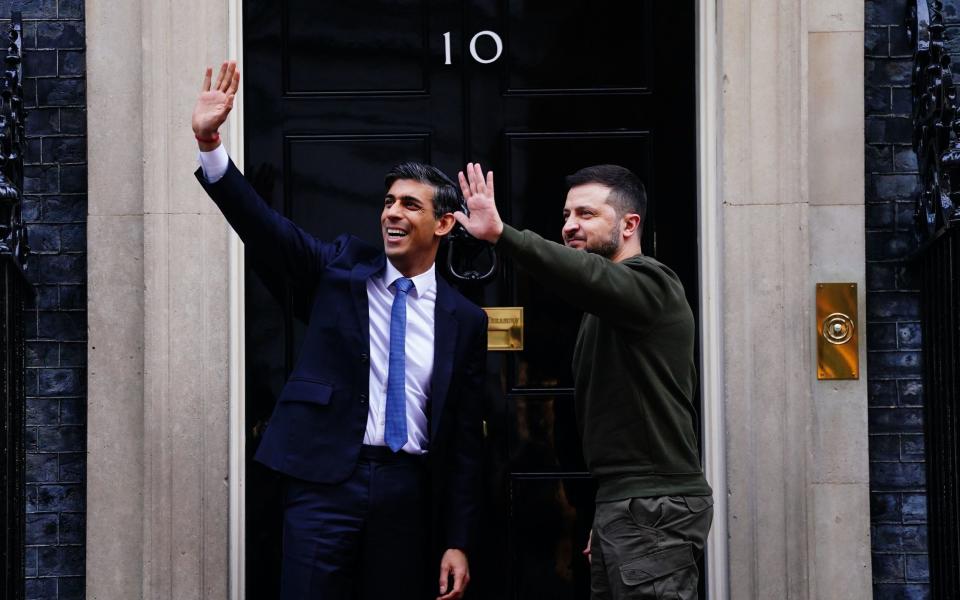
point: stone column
(158, 501)
(840, 471)
(791, 162)
(766, 289)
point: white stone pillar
(766, 290)
(157, 492)
(791, 179)
(840, 471)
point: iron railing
(14, 289)
(936, 141)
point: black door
(337, 92)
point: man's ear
(632, 225)
(444, 225)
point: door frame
(237, 368)
(709, 204)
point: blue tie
(395, 433)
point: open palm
(484, 221)
(215, 100)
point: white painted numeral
(496, 40)
(448, 59)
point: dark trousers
(647, 548)
(363, 539)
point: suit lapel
(445, 329)
(358, 283)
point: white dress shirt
(421, 302)
(214, 163)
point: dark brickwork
(55, 210)
(897, 470)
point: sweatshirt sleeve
(633, 295)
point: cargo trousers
(647, 548)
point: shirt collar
(422, 283)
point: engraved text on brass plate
(505, 328)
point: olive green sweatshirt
(633, 366)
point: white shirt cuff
(214, 163)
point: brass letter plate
(838, 350)
(505, 328)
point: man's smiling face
(411, 232)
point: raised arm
(630, 294)
(276, 242)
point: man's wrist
(498, 233)
(207, 140)
(495, 234)
(207, 136)
(205, 147)
(508, 237)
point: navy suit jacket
(318, 424)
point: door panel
(546, 522)
(543, 436)
(579, 46)
(336, 182)
(355, 48)
(337, 92)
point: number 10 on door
(473, 47)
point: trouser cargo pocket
(647, 548)
(669, 573)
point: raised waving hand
(215, 102)
(484, 221)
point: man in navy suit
(378, 429)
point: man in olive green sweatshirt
(634, 379)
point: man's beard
(609, 247)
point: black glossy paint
(335, 93)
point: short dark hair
(447, 197)
(627, 194)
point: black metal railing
(14, 290)
(936, 129)
(936, 141)
(941, 349)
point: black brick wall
(897, 470)
(55, 209)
